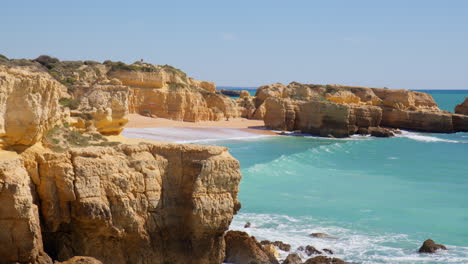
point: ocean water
(380, 198)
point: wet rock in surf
(324, 260)
(292, 259)
(247, 225)
(329, 251)
(242, 248)
(278, 244)
(429, 246)
(310, 250)
(322, 235)
(380, 132)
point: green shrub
(47, 61)
(71, 103)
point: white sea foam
(350, 245)
(425, 138)
(190, 135)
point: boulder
(271, 249)
(278, 244)
(81, 260)
(247, 225)
(244, 94)
(380, 132)
(310, 250)
(242, 248)
(324, 260)
(429, 246)
(292, 259)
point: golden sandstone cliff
(142, 203)
(340, 111)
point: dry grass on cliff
(60, 139)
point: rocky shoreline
(69, 193)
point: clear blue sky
(408, 44)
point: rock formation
(59, 200)
(429, 246)
(292, 259)
(462, 108)
(29, 105)
(146, 203)
(242, 248)
(340, 111)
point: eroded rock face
(340, 111)
(172, 95)
(29, 105)
(105, 108)
(462, 108)
(242, 248)
(146, 203)
(20, 232)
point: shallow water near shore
(381, 197)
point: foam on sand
(189, 134)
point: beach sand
(161, 129)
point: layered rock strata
(146, 203)
(340, 111)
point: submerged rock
(292, 259)
(429, 246)
(243, 249)
(322, 235)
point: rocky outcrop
(29, 105)
(292, 259)
(340, 111)
(175, 96)
(462, 108)
(242, 248)
(146, 203)
(20, 235)
(278, 244)
(103, 108)
(324, 260)
(429, 246)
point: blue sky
(408, 44)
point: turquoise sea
(381, 198)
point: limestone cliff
(164, 91)
(340, 111)
(29, 105)
(147, 203)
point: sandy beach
(161, 129)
